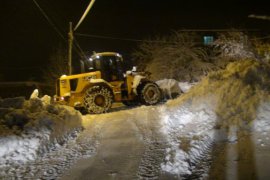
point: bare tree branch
(180, 57)
(57, 66)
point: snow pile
(227, 105)
(169, 88)
(236, 92)
(172, 88)
(29, 128)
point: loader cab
(110, 65)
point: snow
(185, 86)
(34, 94)
(238, 119)
(177, 136)
(169, 87)
(172, 88)
(188, 127)
(235, 45)
(30, 127)
(21, 149)
(262, 122)
(53, 163)
(46, 100)
(261, 125)
(136, 81)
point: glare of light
(97, 57)
(90, 59)
(63, 75)
(62, 98)
(118, 55)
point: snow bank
(169, 88)
(229, 104)
(237, 92)
(29, 128)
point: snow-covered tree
(232, 46)
(179, 56)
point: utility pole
(70, 44)
(71, 35)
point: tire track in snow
(54, 163)
(147, 123)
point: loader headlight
(64, 98)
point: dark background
(28, 40)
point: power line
(117, 38)
(79, 50)
(77, 47)
(141, 40)
(57, 16)
(216, 30)
(49, 20)
(265, 37)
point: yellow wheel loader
(104, 82)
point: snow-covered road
(147, 143)
(141, 142)
(169, 141)
(129, 147)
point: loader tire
(149, 93)
(98, 99)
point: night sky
(28, 40)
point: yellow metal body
(70, 96)
(74, 97)
(71, 89)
